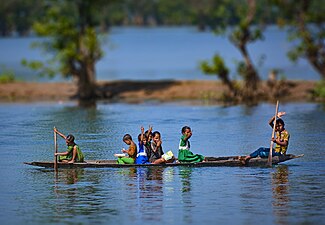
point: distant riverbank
(139, 91)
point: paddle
(55, 151)
(269, 160)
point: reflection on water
(280, 187)
(69, 176)
(185, 176)
(150, 193)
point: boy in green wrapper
(184, 153)
(73, 153)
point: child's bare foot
(71, 162)
(243, 160)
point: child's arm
(279, 115)
(156, 146)
(59, 133)
(279, 142)
(142, 134)
(61, 153)
(74, 154)
(131, 151)
(284, 141)
(187, 136)
(149, 131)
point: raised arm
(279, 115)
(149, 131)
(59, 133)
(142, 134)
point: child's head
(144, 138)
(127, 138)
(156, 136)
(149, 135)
(185, 128)
(187, 131)
(69, 139)
(279, 125)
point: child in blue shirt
(142, 157)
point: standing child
(184, 153)
(281, 141)
(73, 153)
(142, 153)
(132, 151)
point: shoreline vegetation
(191, 91)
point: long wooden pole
(55, 151)
(269, 161)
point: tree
(242, 32)
(305, 19)
(218, 67)
(6, 17)
(70, 28)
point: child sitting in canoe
(281, 141)
(148, 134)
(131, 152)
(73, 153)
(144, 149)
(156, 154)
(184, 153)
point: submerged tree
(218, 67)
(240, 35)
(305, 20)
(72, 40)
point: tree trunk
(87, 85)
(251, 78)
(231, 87)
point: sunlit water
(291, 193)
(167, 53)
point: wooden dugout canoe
(211, 162)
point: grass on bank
(7, 76)
(319, 90)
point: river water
(134, 53)
(291, 193)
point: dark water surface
(291, 193)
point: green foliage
(7, 76)
(35, 65)
(305, 20)
(71, 38)
(18, 15)
(218, 15)
(242, 69)
(41, 67)
(174, 12)
(217, 67)
(320, 89)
